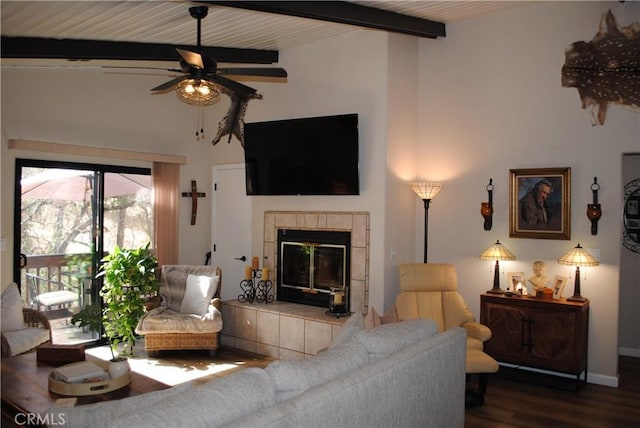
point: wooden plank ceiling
(233, 32)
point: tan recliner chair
(429, 290)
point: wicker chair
(32, 320)
(166, 326)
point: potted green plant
(130, 278)
(91, 317)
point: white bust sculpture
(539, 280)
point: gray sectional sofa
(403, 374)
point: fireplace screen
(310, 263)
(313, 266)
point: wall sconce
(496, 252)
(593, 210)
(577, 257)
(486, 208)
(426, 191)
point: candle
(254, 263)
(265, 274)
(337, 297)
(247, 272)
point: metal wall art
(631, 216)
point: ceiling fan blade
(172, 70)
(192, 58)
(256, 71)
(168, 85)
(234, 86)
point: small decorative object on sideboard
(515, 284)
(558, 286)
(544, 293)
(538, 280)
(594, 212)
(486, 208)
(496, 252)
(577, 257)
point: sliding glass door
(67, 217)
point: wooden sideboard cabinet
(544, 334)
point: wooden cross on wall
(194, 195)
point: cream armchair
(187, 315)
(429, 290)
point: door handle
(243, 258)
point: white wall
(491, 100)
(402, 136)
(345, 74)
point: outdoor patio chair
(49, 300)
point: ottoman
(478, 365)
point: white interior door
(231, 227)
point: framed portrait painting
(540, 203)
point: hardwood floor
(510, 403)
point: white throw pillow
(198, 293)
(12, 318)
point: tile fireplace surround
(289, 330)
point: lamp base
(577, 299)
(496, 291)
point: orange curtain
(166, 178)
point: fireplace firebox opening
(311, 263)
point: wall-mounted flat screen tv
(306, 156)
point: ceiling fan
(202, 80)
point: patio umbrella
(77, 185)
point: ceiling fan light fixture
(197, 92)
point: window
(67, 217)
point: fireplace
(312, 264)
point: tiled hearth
(289, 330)
(281, 330)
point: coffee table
(25, 387)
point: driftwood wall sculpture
(606, 69)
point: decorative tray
(89, 388)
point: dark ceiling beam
(345, 13)
(75, 49)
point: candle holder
(338, 302)
(254, 289)
(263, 292)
